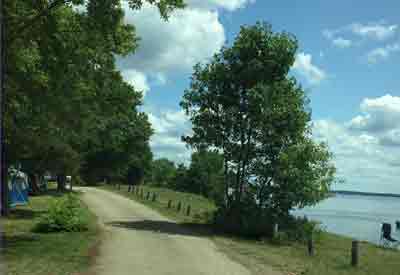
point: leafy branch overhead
(43, 9)
(69, 111)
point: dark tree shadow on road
(166, 227)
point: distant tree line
(202, 176)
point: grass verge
(332, 252)
(200, 207)
(54, 253)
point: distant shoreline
(342, 192)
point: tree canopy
(244, 104)
(68, 109)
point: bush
(245, 220)
(66, 214)
(299, 229)
(248, 220)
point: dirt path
(141, 241)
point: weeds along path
(140, 241)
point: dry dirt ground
(140, 241)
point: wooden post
(188, 210)
(354, 253)
(178, 208)
(169, 203)
(141, 193)
(310, 245)
(154, 198)
(275, 230)
(148, 196)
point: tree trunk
(33, 180)
(5, 207)
(61, 180)
(226, 186)
(4, 167)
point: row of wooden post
(354, 250)
(310, 242)
(311, 252)
(139, 192)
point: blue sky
(348, 61)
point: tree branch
(31, 21)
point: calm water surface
(356, 216)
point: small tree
(181, 180)
(244, 104)
(204, 173)
(163, 172)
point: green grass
(201, 208)
(332, 257)
(53, 254)
(332, 252)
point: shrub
(65, 214)
(248, 220)
(244, 219)
(300, 229)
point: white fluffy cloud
(360, 33)
(230, 5)
(366, 149)
(189, 36)
(374, 30)
(340, 42)
(382, 53)
(304, 66)
(136, 79)
(336, 40)
(391, 138)
(378, 31)
(380, 114)
(169, 126)
(361, 159)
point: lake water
(356, 216)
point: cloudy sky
(348, 61)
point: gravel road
(139, 241)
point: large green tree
(245, 104)
(65, 98)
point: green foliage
(63, 253)
(69, 110)
(298, 229)
(180, 181)
(244, 104)
(244, 219)
(204, 175)
(66, 214)
(163, 172)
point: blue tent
(18, 188)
